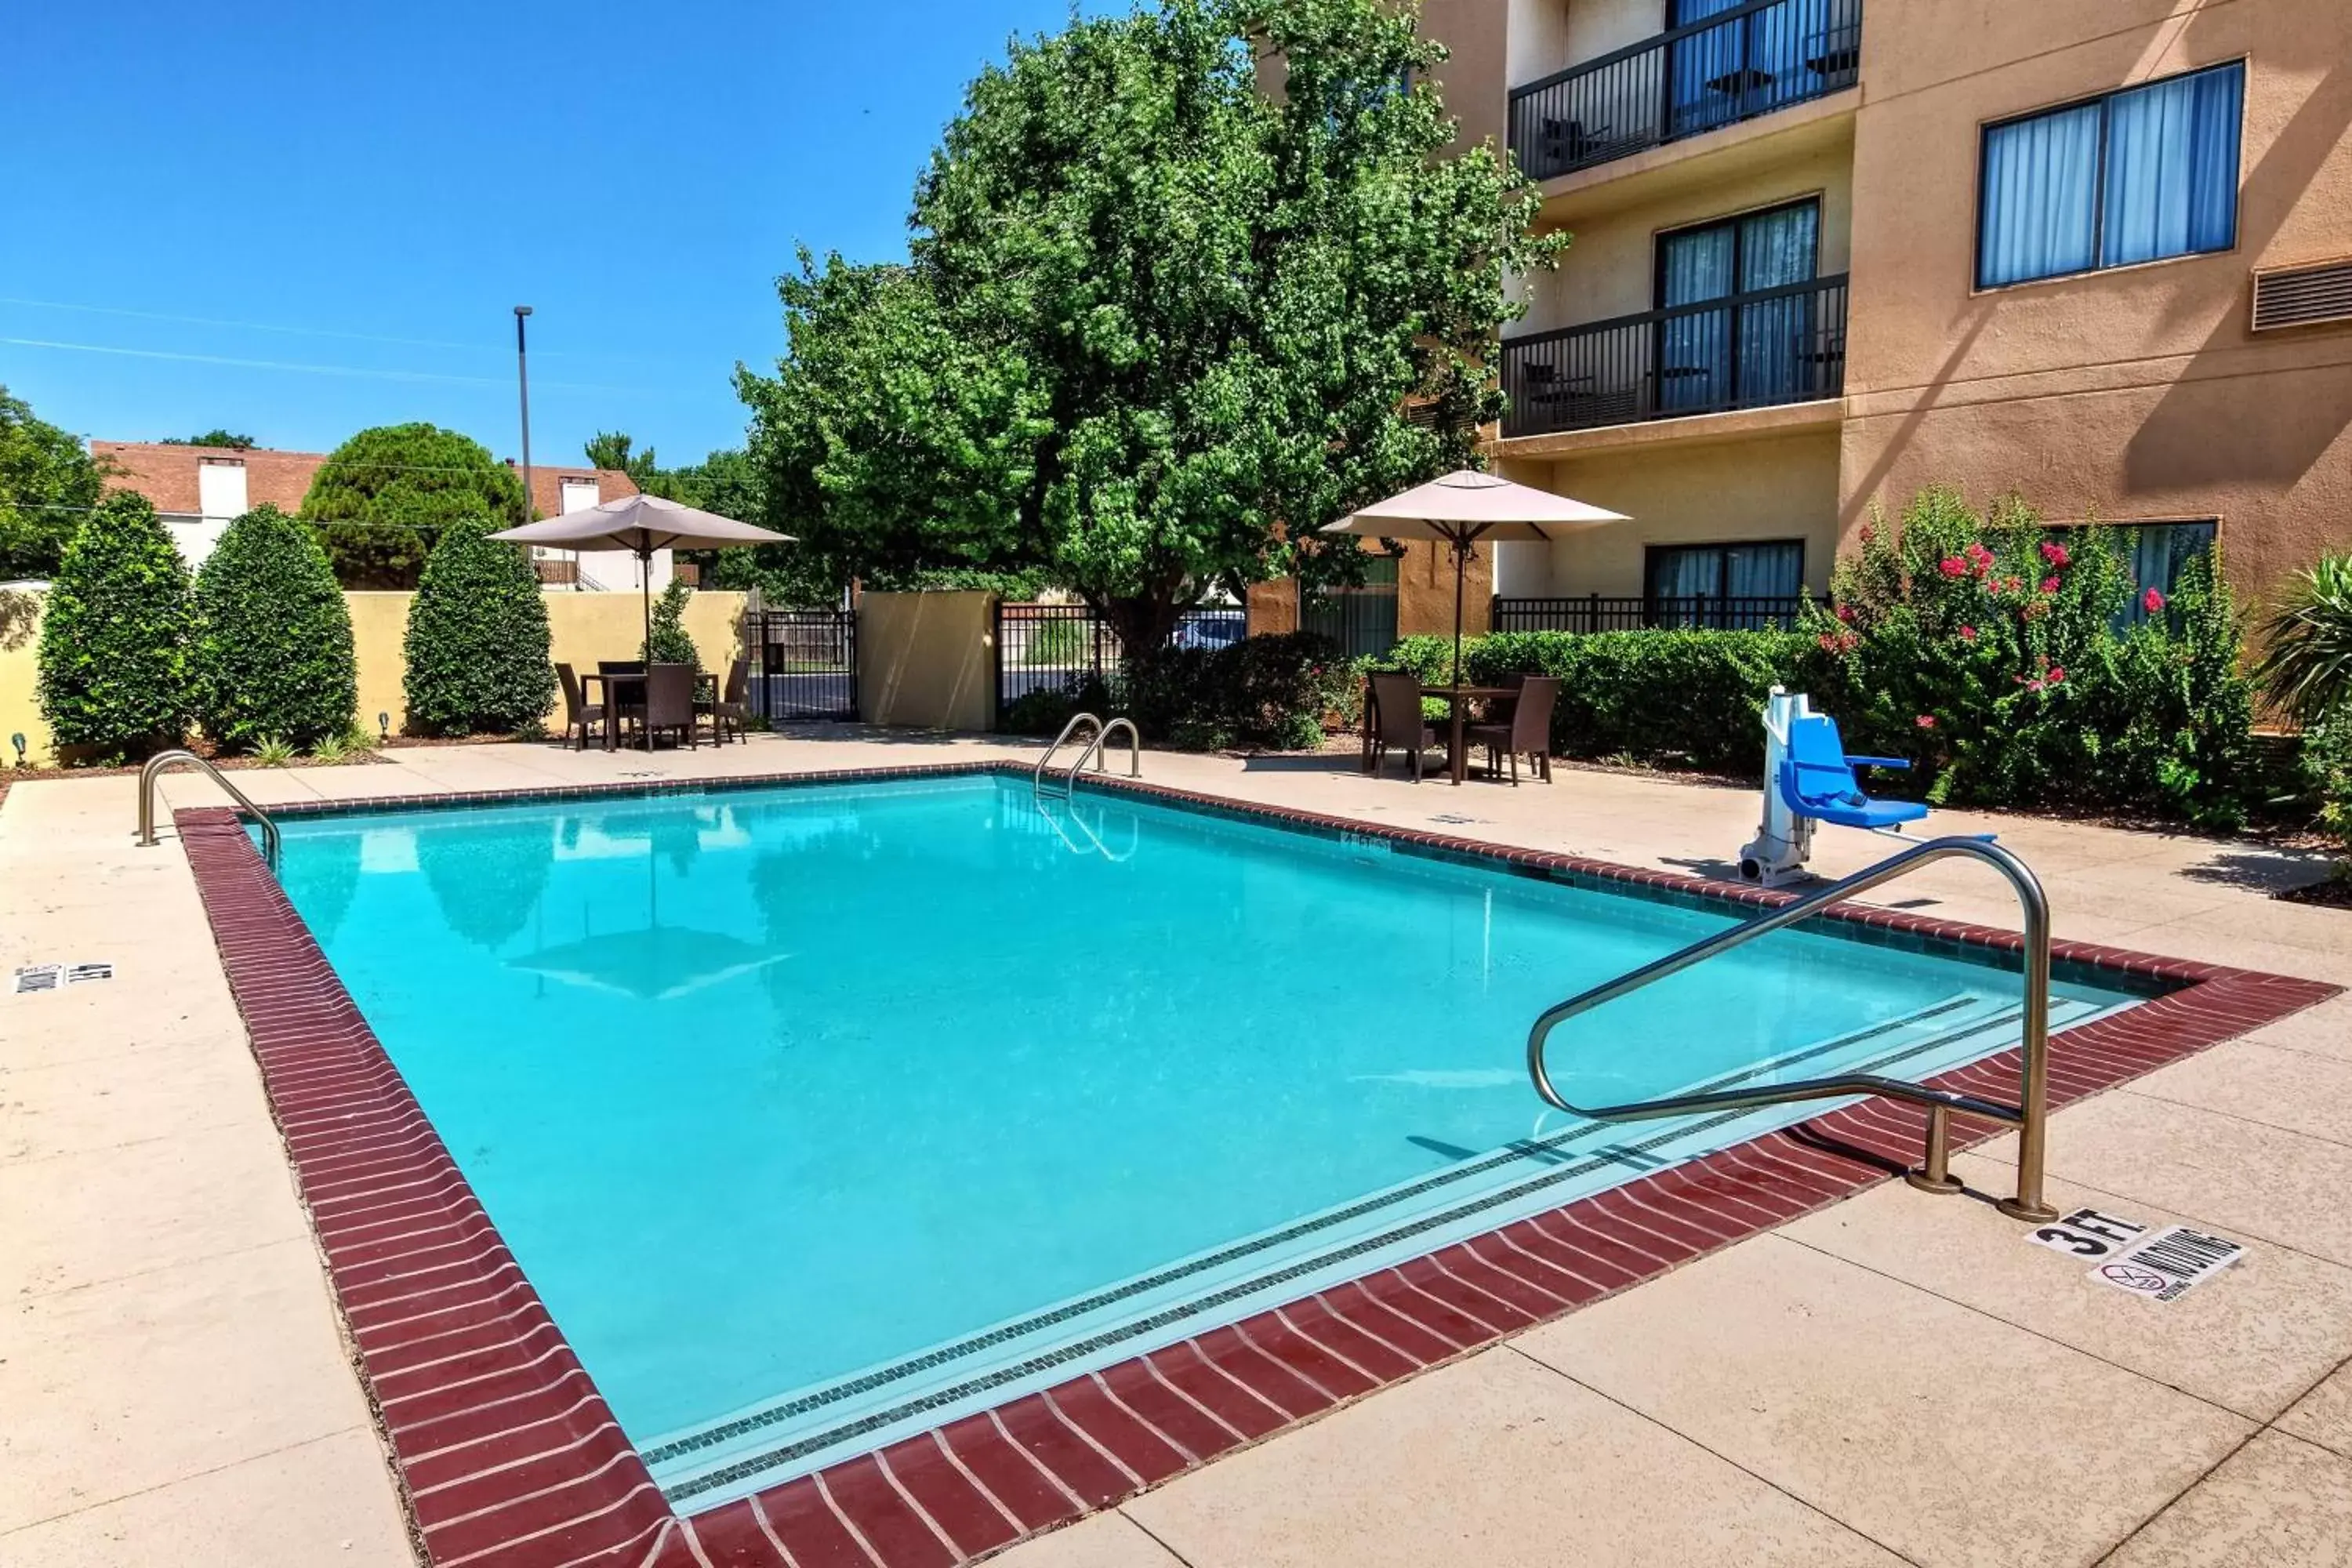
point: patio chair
(621, 703)
(731, 705)
(580, 716)
(1395, 718)
(669, 702)
(1527, 732)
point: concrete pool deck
(1889, 1379)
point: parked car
(1209, 631)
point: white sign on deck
(2162, 1266)
(37, 977)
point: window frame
(2132, 613)
(1652, 550)
(1735, 222)
(1985, 129)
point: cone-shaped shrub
(273, 638)
(478, 639)
(115, 637)
(671, 645)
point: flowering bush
(2012, 681)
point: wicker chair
(1528, 732)
(731, 706)
(669, 702)
(1395, 720)
(580, 717)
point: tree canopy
(47, 485)
(383, 497)
(216, 436)
(1172, 279)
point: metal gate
(1064, 649)
(804, 663)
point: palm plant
(2308, 667)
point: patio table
(613, 685)
(1458, 699)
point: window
(2137, 175)
(1749, 585)
(2158, 553)
(1747, 354)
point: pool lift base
(2029, 1115)
(1809, 779)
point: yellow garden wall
(925, 659)
(584, 628)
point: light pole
(522, 381)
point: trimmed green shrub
(1261, 691)
(670, 644)
(1694, 698)
(477, 645)
(1044, 709)
(114, 659)
(273, 651)
(2327, 760)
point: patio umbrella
(641, 524)
(1465, 507)
(658, 963)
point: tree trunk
(1143, 624)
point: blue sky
(367, 189)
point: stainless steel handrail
(154, 769)
(1094, 752)
(2030, 1116)
(1037, 773)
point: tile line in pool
(1542, 1149)
(1621, 1154)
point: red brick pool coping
(511, 1459)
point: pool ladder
(161, 761)
(1040, 784)
(2030, 1116)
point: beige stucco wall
(925, 659)
(1782, 486)
(20, 709)
(1611, 266)
(2135, 393)
(584, 628)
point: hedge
(1693, 698)
(477, 640)
(114, 659)
(273, 651)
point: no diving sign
(2163, 1264)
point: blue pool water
(820, 1115)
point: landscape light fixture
(384, 727)
(18, 741)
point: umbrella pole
(1461, 565)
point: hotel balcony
(1738, 64)
(1753, 349)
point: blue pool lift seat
(1817, 780)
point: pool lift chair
(1809, 778)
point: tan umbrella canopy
(1465, 507)
(641, 524)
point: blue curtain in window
(2040, 197)
(2172, 168)
(1678, 576)
(1764, 571)
(1776, 335)
(1694, 350)
(1705, 71)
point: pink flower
(1968, 634)
(2013, 584)
(2056, 675)
(2054, 554)
(1868, 533)
(1846, 613)
(1925, 720)
(2049, 585)
(2151, 601)
(1953, 566)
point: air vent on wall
(2304, 296)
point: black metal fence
(1061, 649)
(1735, 65)
(1592, 613)
(1754, 350)
(1362, 617)
(804, 663)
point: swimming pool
(820, 1115)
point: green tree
(114, 659)
(1157, 324)
(216, 436)
(670, 642)
(612, 449)
(383, 497)
(273, 651)
(476, 646)
(47, 485)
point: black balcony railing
(1744, 351)
(1735, 65)
(1592, 613)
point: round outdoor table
(1458, 699)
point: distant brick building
(198, 491)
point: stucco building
(1829, 251)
